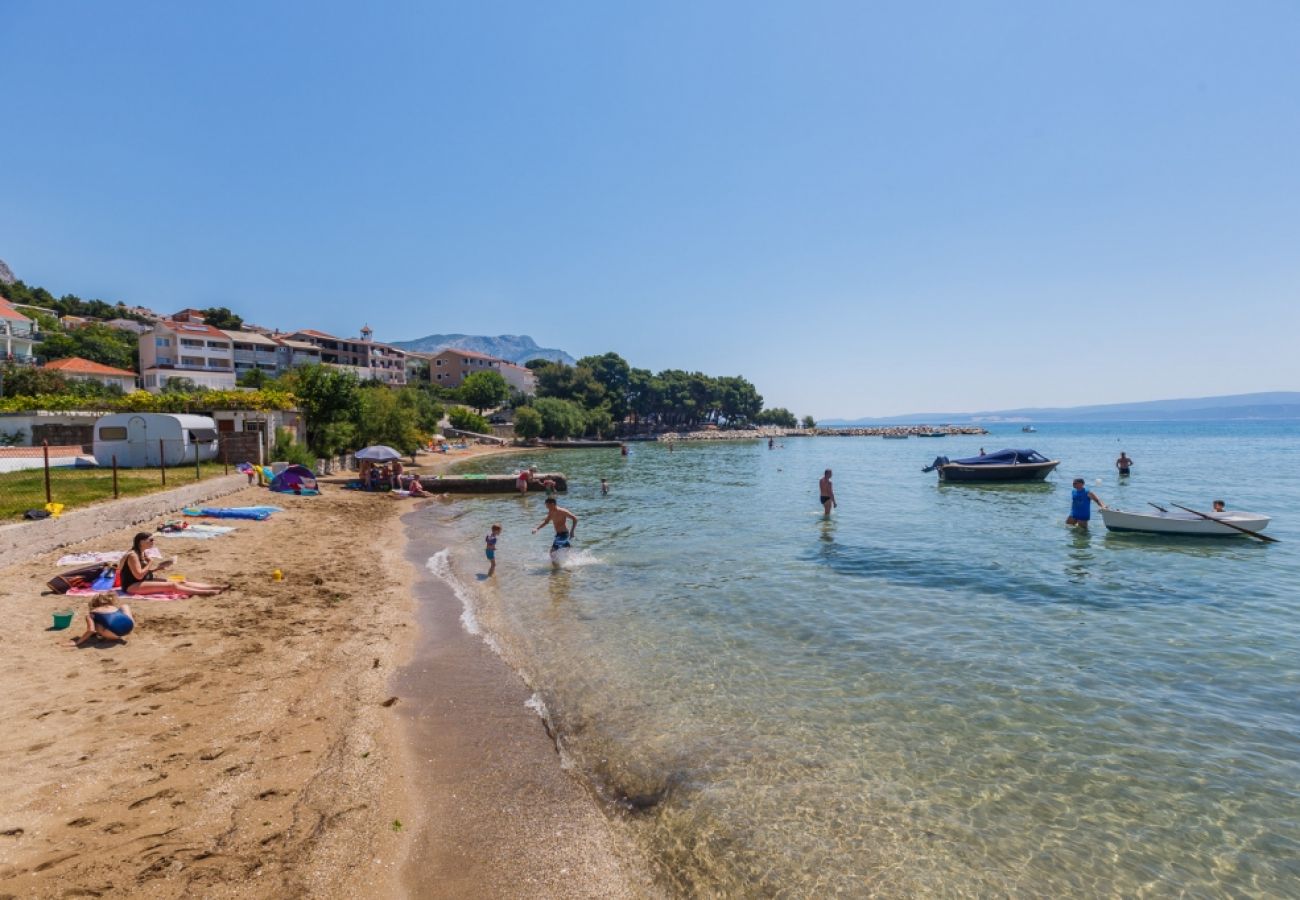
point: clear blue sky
(865, 208)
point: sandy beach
(250, 744)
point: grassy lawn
(73, 487)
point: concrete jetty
(491, 484)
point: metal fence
(49, 480)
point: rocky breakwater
(901, 431)
(755, 434)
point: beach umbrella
(378, 453)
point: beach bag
(107, 579)
(75, 578)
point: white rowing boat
(1179, 522)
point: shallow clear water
(942, 690)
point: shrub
(465, 419)
(288, 450)
(528, 423)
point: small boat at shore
(931, 434)
(894, 437)
(1004, 465)
(1178, 522)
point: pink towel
(90, 592)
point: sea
(942, 690)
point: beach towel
(103, 557)
(223, 513)
(90, 592)
(199, 532)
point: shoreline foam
(501, 816)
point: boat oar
(1255, 534)
(1157, 506)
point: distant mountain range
(516, 348)
(1269, 405)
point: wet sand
(502, 819)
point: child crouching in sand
(106, 619)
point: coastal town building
(78, 369)
(362, 355)
(186, 348)
(255, 351)
(18, 334)
(451, 367)
(520, 378)
(128, 325)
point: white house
(18, 334)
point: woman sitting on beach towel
(106, 619)
(138, 574)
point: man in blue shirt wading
(1081, 500)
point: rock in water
(6, 274)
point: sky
(864, 208)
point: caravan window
(112, 433)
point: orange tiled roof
(78, 366)
(8, 312)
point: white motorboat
(1179, 522)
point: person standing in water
(1124, 464)
(604, 487)
(1081, 500)
(491, 550)
(827, 492)
(559, 517)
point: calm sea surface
(941, 691)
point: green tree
(178, 385)
(615, 375)
(528, 423)
(96, 343)
(253, 378)
(560, 418)
(29, 381)
(383, 419)
(465, 419)
(599, 422)
(221, 317)
(809, 422)
(484, 389)
(330, 400)
(428, 412)
(781, 417)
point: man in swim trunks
(559, 517)
(1124, 464)
(1081, 500)
(827, 492)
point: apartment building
(450, 367)
(361, 355)
(18, 334)
(186, 349)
